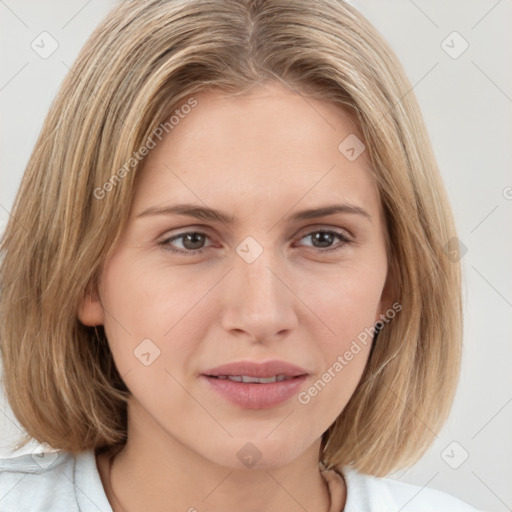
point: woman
(227, 260)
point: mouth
(253, 385)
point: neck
(149, 475)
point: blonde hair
(142, 61)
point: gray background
(466, 100)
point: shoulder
(32, 478)
(37, 481)
(366, 492)
(56, 481)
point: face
(272, 292)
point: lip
(256, 395)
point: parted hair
(145, 59)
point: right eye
(192, 242)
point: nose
(258, 299)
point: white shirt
(63, 482)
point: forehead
(271, 145)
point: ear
(90, 309)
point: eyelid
(196, 228)
(207, 231)
(324, 227)
(167, 238)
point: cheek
(145, 302)
(347, 305)
(347, 301)
(175, 308)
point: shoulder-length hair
(143, 61)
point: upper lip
(255, 369)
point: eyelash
(165, 243)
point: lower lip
(256, 396)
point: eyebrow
(213, 215)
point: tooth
(267, 380)
(254, 380)
(245, 378)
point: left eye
(326, 236)
(192, 241)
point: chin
(256, 453)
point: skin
(261, 157)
